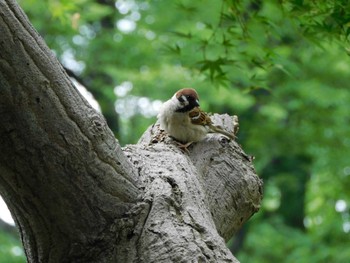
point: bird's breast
(180, 127)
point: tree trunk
(76, 196)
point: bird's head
(187, 99)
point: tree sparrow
(183, 120)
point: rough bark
(76, 196)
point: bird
(183, 119)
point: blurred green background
(282, 66)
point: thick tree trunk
(76, 196)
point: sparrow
(182, 118)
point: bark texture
(76, 196)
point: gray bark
(76, 196)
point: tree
(77, 196)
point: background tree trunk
(76, 196)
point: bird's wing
(199, 117)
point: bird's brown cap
(187, 92)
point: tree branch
(62, 173)
(76, 196)
(191, 199)
(178, 226)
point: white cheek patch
(184, 100)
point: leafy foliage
(281, 66)
(10, 249)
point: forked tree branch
(76, 196)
